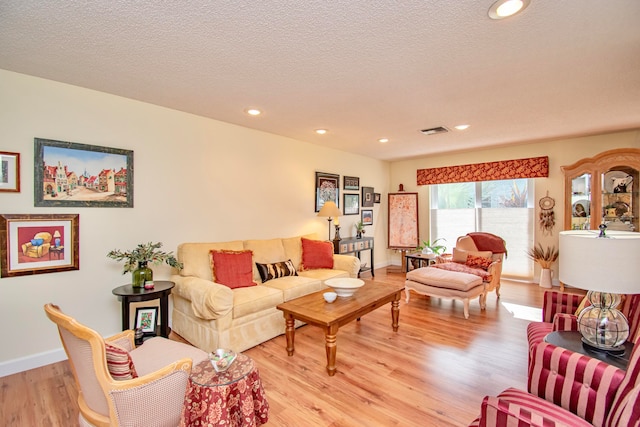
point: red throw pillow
(478, 262)
(316, 254)
(232, 268)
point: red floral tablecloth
(234, 398)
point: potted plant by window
(544, 258)
(137, 261)
(428, 247)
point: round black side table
(161, 290)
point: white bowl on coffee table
(344, 287)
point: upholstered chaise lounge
(473, 270)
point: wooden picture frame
(35, 244)
(81, 175)
(351, 183)
(376, 197)
(367, 197)
(367, 216)
(147, 319)
(9, 172)
(327, 189)
(351, 205)
(403, 221)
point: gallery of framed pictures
(35, 244)
(9, 172)
(82, 175)
(327, 189)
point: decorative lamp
(606, 265)
(56, 238)
(330, 210)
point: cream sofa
(210, 315)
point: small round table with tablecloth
(233, 398)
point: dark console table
(355, 246)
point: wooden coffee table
(314, 310)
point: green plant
(544, 257)
(359, 226)
(433, 247)
(145, 253)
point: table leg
(290, 333)
(395, 313)
(125, 313)
(331, 347)
(164, 316)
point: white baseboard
(14, 366)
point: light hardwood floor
(433, 372)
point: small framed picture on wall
(367, 216)
(367, 197)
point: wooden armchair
(155, 397)
(568, 389)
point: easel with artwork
(403, 223)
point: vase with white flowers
(137, 261)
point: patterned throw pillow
(460, 255)
(275, 270)
(316, 254)
(232, 268)
(478, 262)
(119, 363)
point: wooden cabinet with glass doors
(603, 189)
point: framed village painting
(81, 175)
(35, 244)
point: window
(504, 208)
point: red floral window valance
(534, 167)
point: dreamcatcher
(547, 218)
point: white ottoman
(436, 282)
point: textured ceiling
(362, 69)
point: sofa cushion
(119, 362)
(478, 262)
(197, 260)
(276, 270)
(296, 286)
(316, 254)
(460, 255)
(252, 300)
(293, 248)
(265, 252)
(232, 268)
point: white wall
(561, 152)
(195, 179)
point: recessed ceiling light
(505, 8)
(383, 140)
(461, 127)
(321, 131)
(253, 111)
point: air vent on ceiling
(433, 131)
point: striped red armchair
(568, 389)
(559, 314)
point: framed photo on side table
(35, 244)
(9, 172)
(147, 319)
